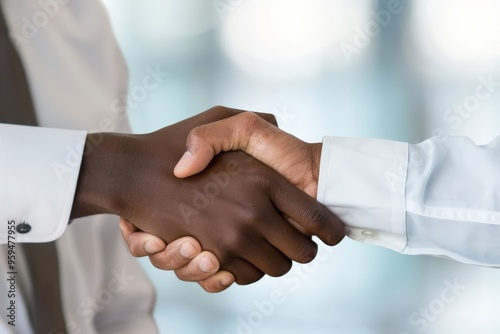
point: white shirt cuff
(39, 170)
(363, 181)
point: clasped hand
(250, 218)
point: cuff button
(366, 234)
(23, 228)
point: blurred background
(401, 70)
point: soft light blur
(460, 29)
(267, 41)
(324, 67)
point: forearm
(435, 198)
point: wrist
(101, 175)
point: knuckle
(337, 239)
(250, 122)
(228, 250)
(162, 261)
(252, 215)
(280, 271)
(222, 111)
(192, 273)
(316, 218)
(249, 117)
(197, 135)
(210, 286)
(185, 277)
(307, 252)
(157, 264)
(237, 243)
(261, 176)
(249, 280)
(270, 118)
(134, 249)
(219, 108)
(134, 252)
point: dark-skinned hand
(235, 208)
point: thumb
(206, 141)
(194, 160)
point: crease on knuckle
(184, 276)
(251, 124)
(316, 219)
(162, 261)
(261, 176)
(197, 135)
(134, 252)
(210, 286)
(134, 248)
(261, 130)
(306, 253)
(249, 119)
(283, 270)
(239, 243)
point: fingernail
(227, 280)
(187, 250)
(185, 161)
(151, 247)
(207, 265)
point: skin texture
(259, 138)
(235, 208)
(184, 256)
(296, 160)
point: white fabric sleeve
(440, 197)
(39, 170)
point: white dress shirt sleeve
(440, 197)
(39, 170)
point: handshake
(214, 219)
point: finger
(244, 272)
(265, 257)
(200, 268)
(307, 212)
(206, 141)
(178, 254)
(289, 240)
(217, 282)
(140, 243)
(127, 228)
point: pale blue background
(428, 58)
